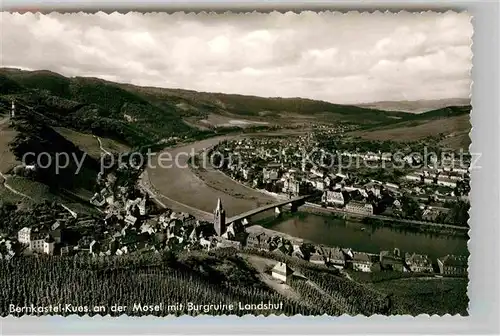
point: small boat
(362, 229)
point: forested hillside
(138, 115)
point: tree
(459, 213)
(169, 258)
(411, 208)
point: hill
(137, 115)
(452, 130)
(417, 106)
(253, 106)
(60, 114)
(92, 105)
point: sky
(340, 58)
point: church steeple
(219, 218)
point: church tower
(219, 219)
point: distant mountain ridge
(139, 115)
(417, 106)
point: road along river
(179, 188)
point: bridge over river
(295, 202)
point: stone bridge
(295, 202)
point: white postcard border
(485, 254)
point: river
(322, 229)
(183, 190)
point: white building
(270, 174)
(315, 171)
(245, 172)
(417, 263)
(131, 220)
(320, 185)
(34, 239)
(334, 197)
(281, 272)
(37, 241)
(361, 262)
(13, 110)
(391, 185)
(94, 247)
(386, 156)
(342, 176)
(428, 180)
(139, 202)
(48, 245)
(360, 208)
(23, 236)
(446, 182)
(413, 177)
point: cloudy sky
(339, 58)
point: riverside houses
(334, 256)
(417, 263)
(333, 197)
(360, 208)
(452, 265)
(391, 260)
(361, 262)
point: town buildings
(49, 245)
(334, 198)
(452, 265)
(391, 260)
(418, 263)
(362, 262)
(317, 258)
(334, 256)
(359, 208)
(37, 240)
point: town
(379, 184)
(173, 165)
(130, 221)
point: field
(455, 129)
(36, 190)
(114, 146)
(457, 140)
(90, 144)
(39, 192)
(216, 120)
(7, 159)
(219, 276)
(8, 196)
(155, 279)
(86, 142)
(427, 295)
(417, 106)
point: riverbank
(180, 184)
(332, 230)
(413, 225)
(376, 220)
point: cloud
(339, 58)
